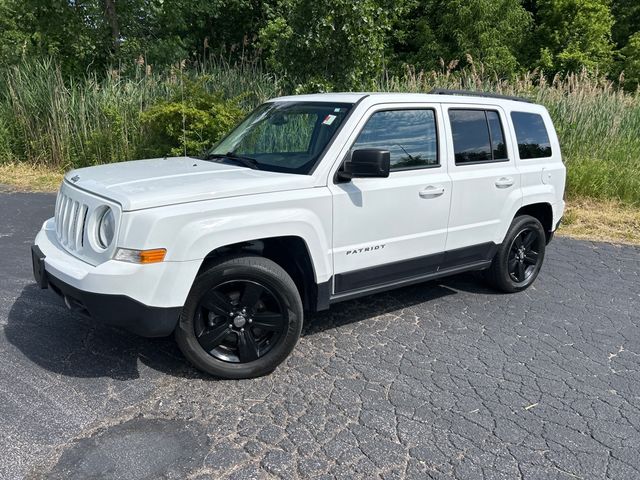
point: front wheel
(519, 258)
(242, 318)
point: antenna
(184, 118)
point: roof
(340, 97)
(396, 97)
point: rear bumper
(552, 233)
(116, 310)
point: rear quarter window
(532, 135)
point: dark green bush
(192, 121)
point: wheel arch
(543, 212)
(290, 252)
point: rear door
(389, 229)
(486, 182)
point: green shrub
(190, 123)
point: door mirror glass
(367, 162)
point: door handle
(504, 182)
(431, 191)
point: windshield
(282, 136)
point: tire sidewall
(260, 270)
(504, 277)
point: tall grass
(47, 120)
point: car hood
(168, 181)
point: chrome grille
(71, 216)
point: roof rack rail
(444, 91)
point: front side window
(478, 136)
(282, 136)
(533, 139)
(409, 135)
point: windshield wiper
(243, 161)
(246, 161)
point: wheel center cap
(239, 321)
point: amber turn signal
(154, 255)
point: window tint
(499, 148)
(410, 136)
(477, 136)
(533, 139)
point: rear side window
(533, 139)
(409, 135)
(478, 136)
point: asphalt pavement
(441, 380)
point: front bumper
(143, 299)
(118, 310)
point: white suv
(311, 200)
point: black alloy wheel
(524, 255)
(239, 321)
(242, 317)
(519, 257)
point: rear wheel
(241, 319)
(519, 258)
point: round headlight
(106, 228)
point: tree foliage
(627, 20)
(575, 34)
(631, 62)
(330, 42)
(489, 31)
(322, 44)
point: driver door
(387, 230)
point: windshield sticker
(328, 120)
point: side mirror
(367, 162)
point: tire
(519, 258)
(220, 338)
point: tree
(91, 35)
(112, 19)
(627, 20)
(575, 34)
(168, 31)
(631, 62)
(70, 31)
(12, 39)
(329, 43)
(490, 31)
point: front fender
(191, 231)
